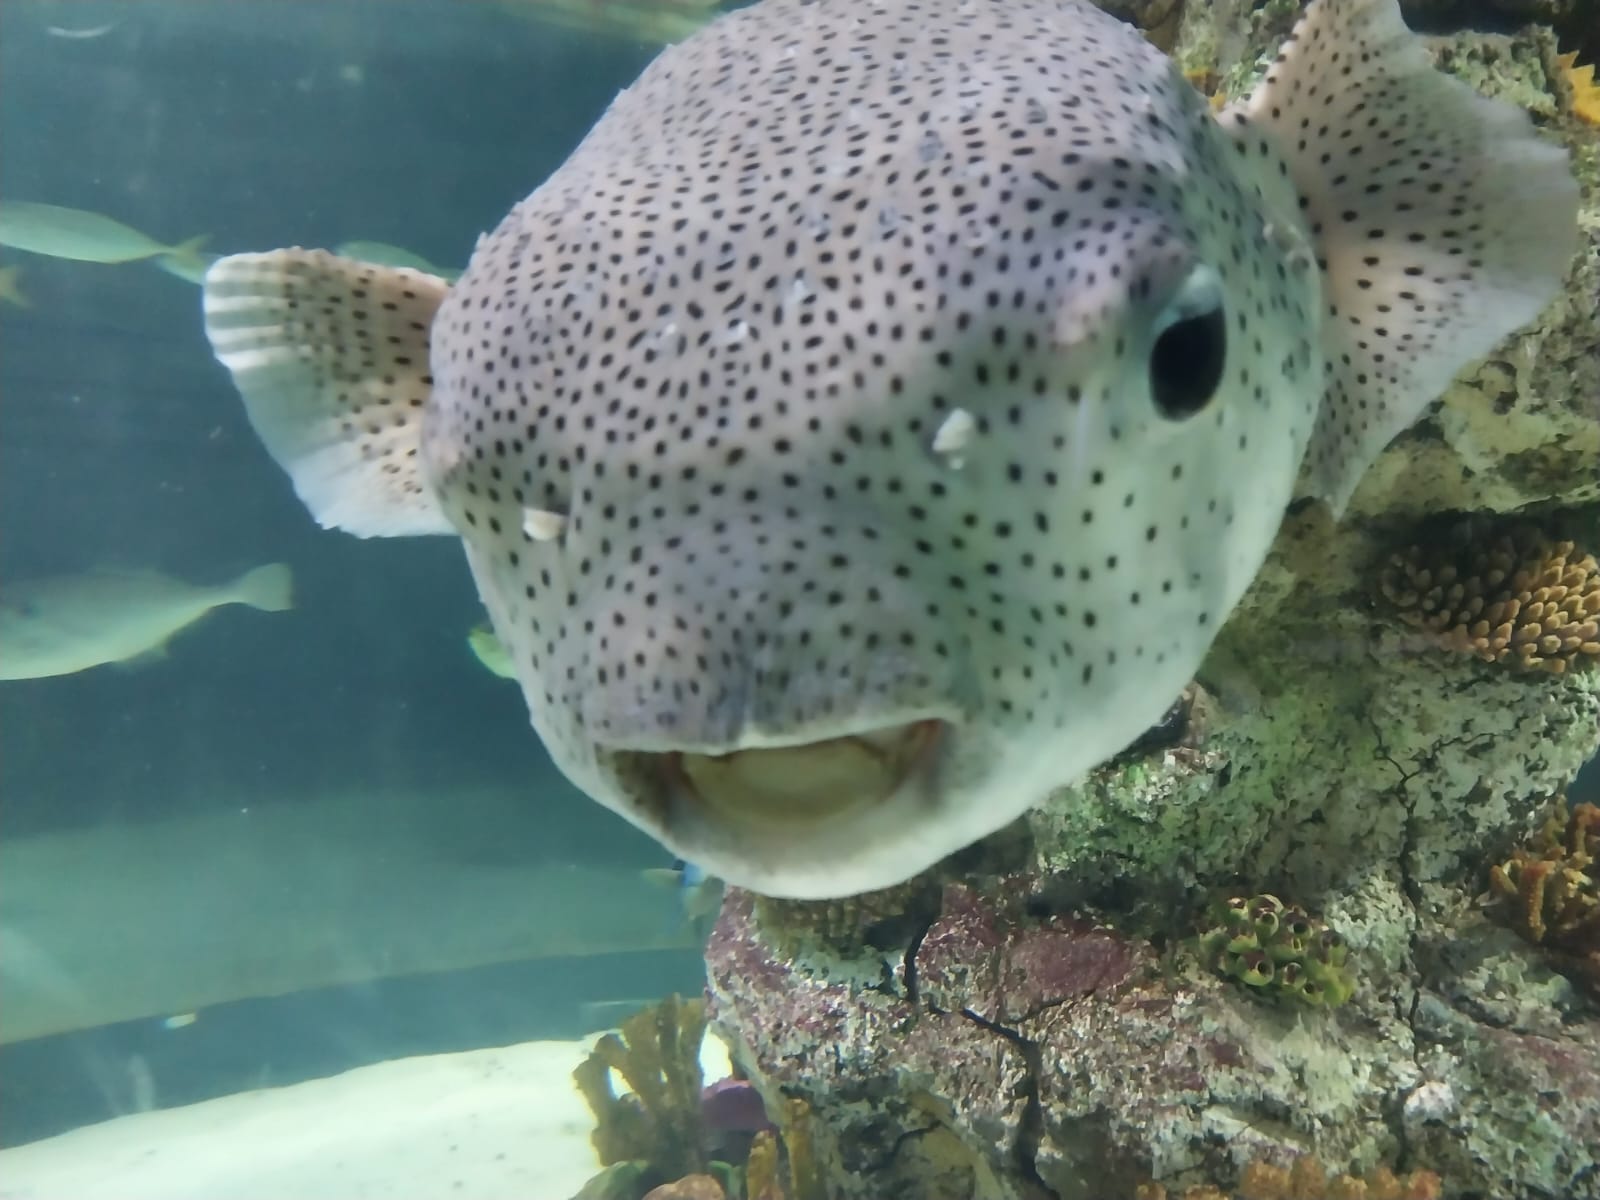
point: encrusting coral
(1307, 1180)
(1554, 891)
(1279, 950)
(848, 924)
(1519, 598)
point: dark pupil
(1186, 364)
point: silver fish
(869, 426)
(85, 236)
(385, 255)
(69, 623)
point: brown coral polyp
(1518, 599)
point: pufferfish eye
(1191, 346)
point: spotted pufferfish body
(869, 426)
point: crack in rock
(1030, 1129)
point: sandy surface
(499, 1124)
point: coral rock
(690, 1187)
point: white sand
(500, 1124)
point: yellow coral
(1556, 885)
(761, 1170)
(1209, 84)
(658, 1055)
(1519, 599)
(1585, 95)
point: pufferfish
(868, 428)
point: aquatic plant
(1519, 598)
(658, 1056)
(1307, 1180)
(1279, 950)
(1553, 890)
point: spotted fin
(1441, 220)
(331, 357)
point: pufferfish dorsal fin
(1440, 219)
(331, 357)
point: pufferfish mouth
(796, 785)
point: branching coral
(1520, 598)
(1554, 890)
(658, 1055)
(1307, 1180)
(653, 1143)
(1279, 950)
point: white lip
(817, 849)
(802, 783)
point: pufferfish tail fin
(331, 358)
(1442, 222)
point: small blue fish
(699, 894)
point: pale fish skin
(83, 236)
(867, 429)
(384, 255)
(69, 623)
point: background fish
(870, 425)
(640, 20)
(85, 236)
(70, 623)
(384, 255)
(187, 264)
(699, 895)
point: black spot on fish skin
(721, 340)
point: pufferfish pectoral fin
(1441, 220)
(331, 358)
